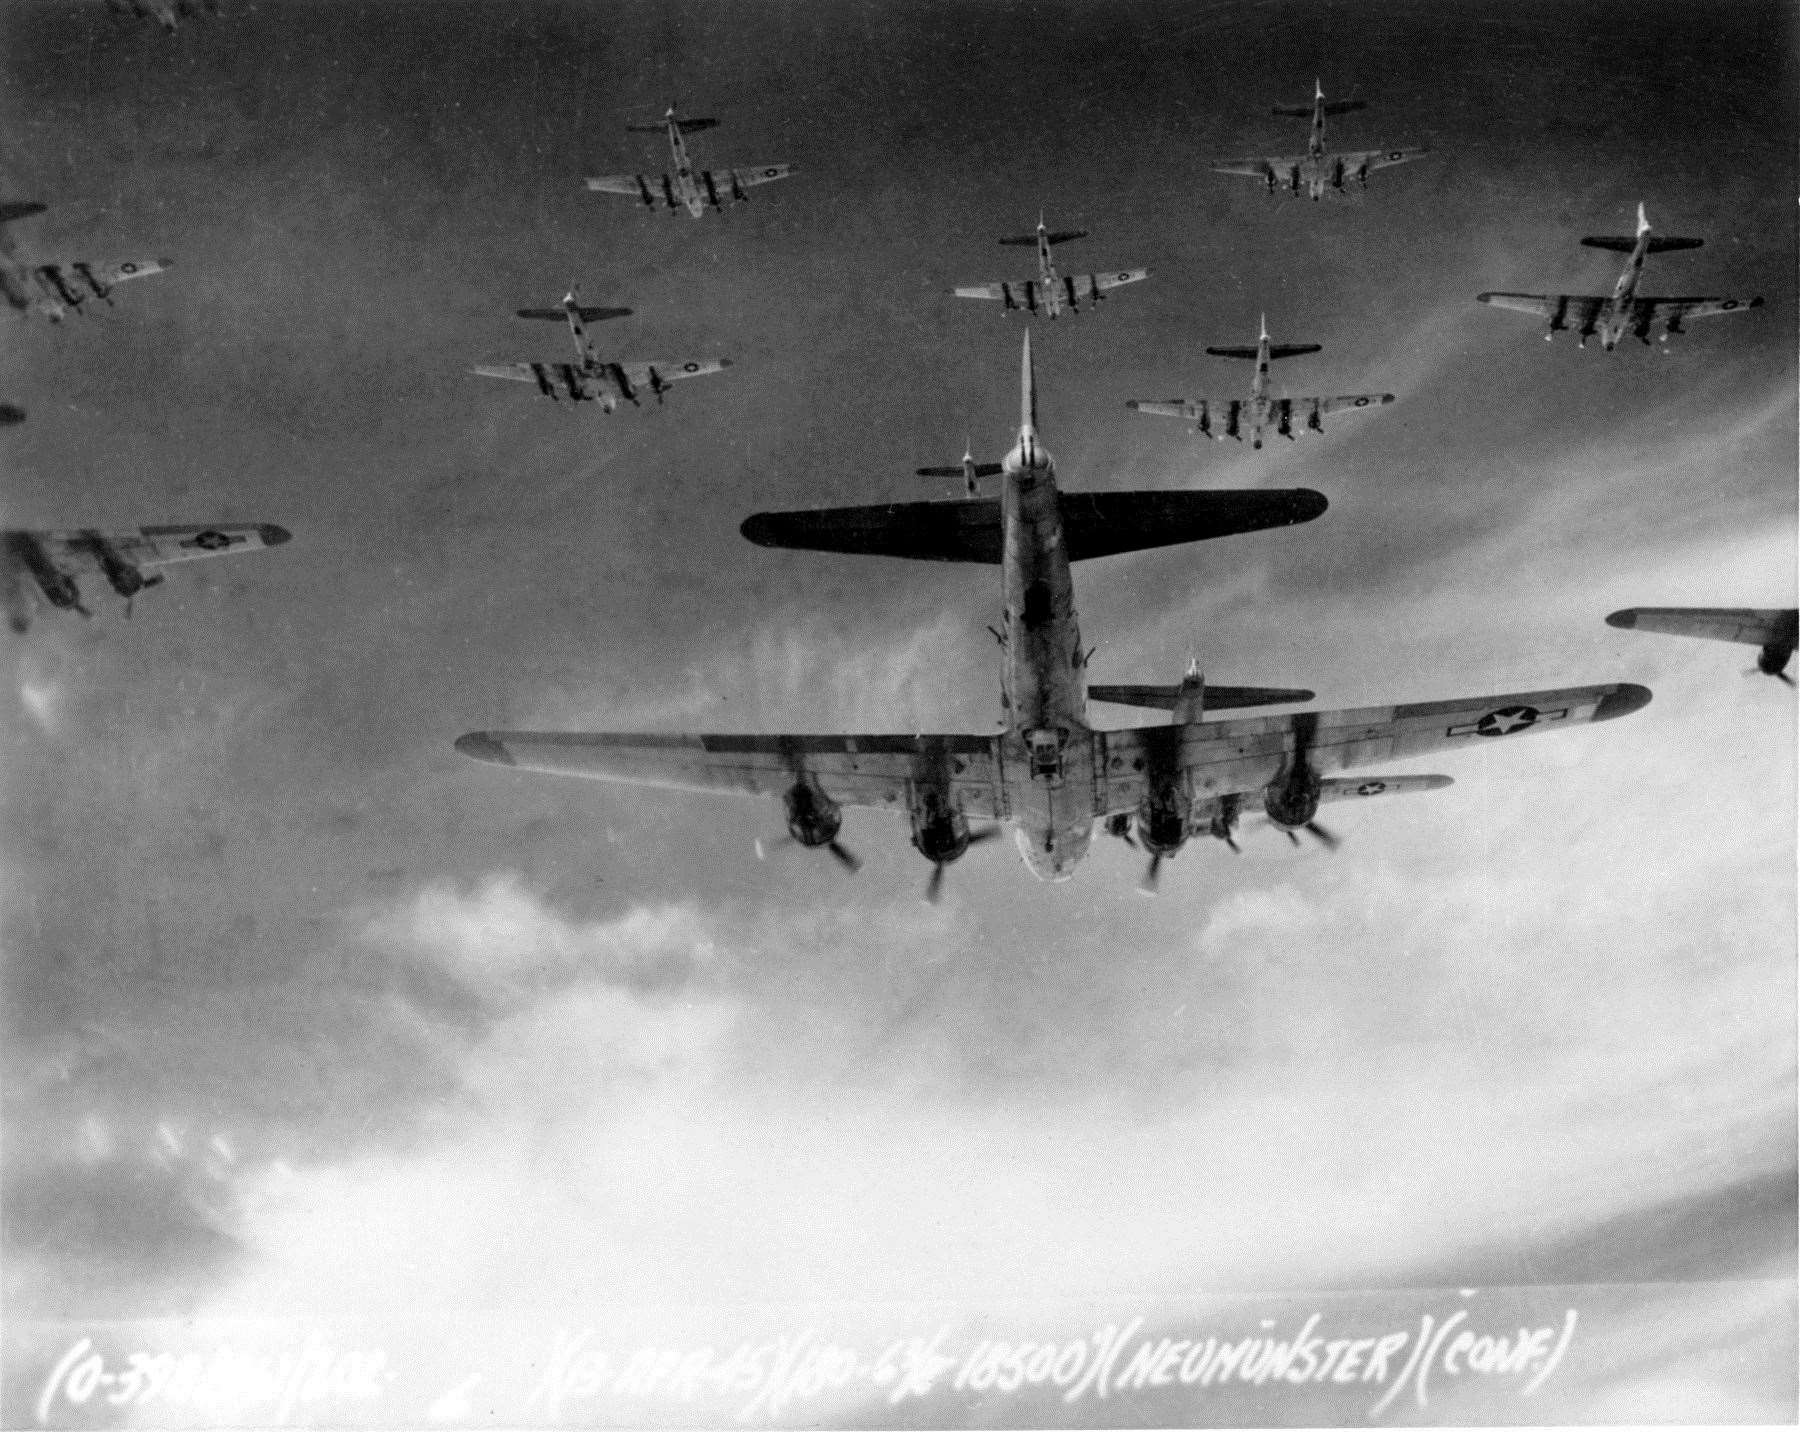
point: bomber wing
(1564, 310)
(1090, 283)
(603, 380)
(1015, 293)
(1750, 626)
(80, 551)
(1350, 788)
(1224, 758)
(1279, 170)
(1218, 418)
(658, 375)
(746, 176)
(1095, 524)
(113, 274)
(1357, 162)
(873, 771)
(1646, 311)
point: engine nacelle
(939, 834)
(1772, 660)
(1292, 799)
(25, 551)
(813, 818)
(1162, 823)
(1674, 326)
(1225, 816)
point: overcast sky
(306, 1013)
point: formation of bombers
(1049, 773)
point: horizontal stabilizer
(1625, 243)
(1276, 350)
(9, 212)
(1305, 111)
(1095, 524)
(585, 314)
(1061, 236)
(1218, 698)
(982, 469)
(686, 126)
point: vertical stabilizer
(1027, 391)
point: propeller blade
(985, 834)
(844, 857)
(934, 887)
(1147, 885)
(1236, 849)
(1322, 835)
(1292, 838)
(1784, 677)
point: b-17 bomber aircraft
(590, 378)
(51, 290)
(167, 13)
(1319, 171)
(1623, 312)
(1051, 292)
(1048, 772)
(687, 187)
(51, 561)
(1774, 629)
(1226, 418)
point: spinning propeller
(838, 851)
(934, 887)
(1119, 825)
(1317, 832)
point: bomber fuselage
(1047, 751)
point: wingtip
(1484, 298)
(1624, 620)
(759, 527)
(1308, 504)
(482, 746)
(1622, 701)
(273, 536)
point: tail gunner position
(1048, 772)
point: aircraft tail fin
(1027, 389)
